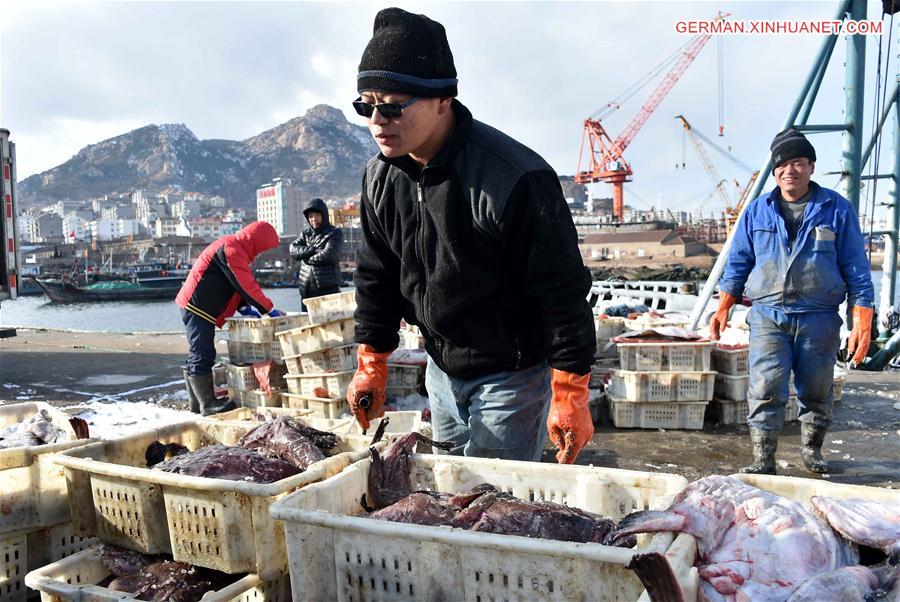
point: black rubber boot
(202, 384)
(764, 445)
(812, 437)
(195, 405)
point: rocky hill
(321, 151)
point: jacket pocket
(823, 246)
(765, 240)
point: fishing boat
(135, 283)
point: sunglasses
(388, 110)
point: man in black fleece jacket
(466, 234)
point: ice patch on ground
(123, 418)
(112, 379)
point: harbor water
(140, 316)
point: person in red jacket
(220, 283)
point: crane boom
(607, 163)
(706, 161)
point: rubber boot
(195, 405)
(202, 384)
(812, 437)
(764, 445)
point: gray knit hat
(790, 144)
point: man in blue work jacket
(799, 252)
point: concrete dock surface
(67, 369)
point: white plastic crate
(608, 328)
(838, 388)
(262, 330)
(250, 353)
(392, 393)
(336, 359)
(399, 422)
(257, 415)
(331, 307)
(32, 487)
(732, 387)
(680, 356)
(335, 383)
(655, 415)
(662, 386)
(801, 490)
(734, 362)
(216, 523)
(256, 398)
(316, 337)
(336, 554)
(320, 407)
(74, 579)
(404, 375)
(240, 377)
(28, 549)
(729, 411)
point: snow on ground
(122, 418)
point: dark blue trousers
(201, 336)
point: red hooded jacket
(220, 280)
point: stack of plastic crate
(35, 526)
(730, 406)
(320, 357)
(663, 383)
(252, 341)
(607, 328)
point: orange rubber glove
(569, 422)
(861, 335)
(370, 381)
(719, 320)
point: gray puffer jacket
(319, 253)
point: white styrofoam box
(336, 359)
(655, 415)
(74, 579)
(732, 387)
(662, 386)
(32, 486)
(645, 321)
(335, 383)
(658, 356)
(328, 308)
(215, 523)
(262, 330)
(336, 554)
(734, 362)
(316, 337)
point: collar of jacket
(461, 130)
(818, 197)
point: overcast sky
(76, 73)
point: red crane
(607, 163)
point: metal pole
(820, 75)
(854, 94)
(889, 267)
(884, 115)
(824, 55)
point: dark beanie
(788, 145)
(408, 54)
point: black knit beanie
(408, 54)
(790, 144)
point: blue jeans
(501, 415)
(201, 336)
(805, 343)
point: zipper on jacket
(420, 247)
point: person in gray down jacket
(318, 250)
